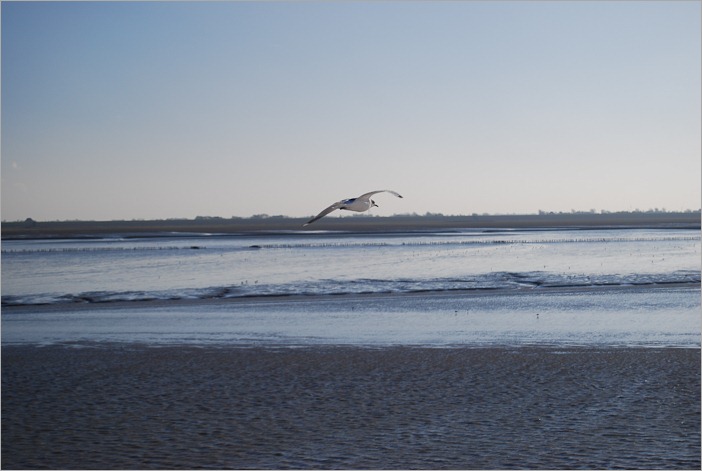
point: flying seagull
(360, 204)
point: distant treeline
(357, 223)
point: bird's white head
(373, 204)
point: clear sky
(167, 110)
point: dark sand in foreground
(128, 406)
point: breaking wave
(487, 281)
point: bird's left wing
(371, 193)
(331, 208)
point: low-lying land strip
(402, 223)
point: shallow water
(620, 316)
(595, 287)
(111, 270)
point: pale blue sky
(161, 110)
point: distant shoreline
(30, 229)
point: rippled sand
(126, 406)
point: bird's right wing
(331, 208)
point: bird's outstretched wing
(331, 208)
(371, 193)
(342, 203)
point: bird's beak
(373, 204)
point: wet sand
(125, 406)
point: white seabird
(360, 204)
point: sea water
(621, 286)
(119, 269)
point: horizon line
(428, 214)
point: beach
(469, 349)
(131, 406)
